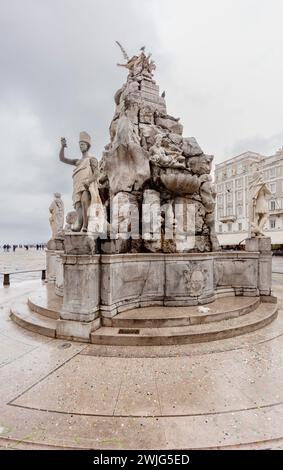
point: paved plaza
(61, 394)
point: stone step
(260, 317)
(32, 321)
(45, 302)
(160, 317)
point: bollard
(43, 274)
(6, 280)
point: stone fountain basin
(180, 183)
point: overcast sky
(220, 62)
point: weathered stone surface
(56, 244)
(240, 271)
(76, 330)
(79, 244)
(258, 244)
(170, 124)
(190, 147)
(59, 274)
(188, 278)
(263, 246)
(200, 165)
(152, 221)
(179, 183)
(51, 265)
(81, 287)
(129, 280)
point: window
(229, 210)
(239, 195)
(273, 187)
(229, 197)
(229, 171)
(229, 227)
(229, 185)
(240, 210)
(239, 182)
(272, 205)
(240, 168)
(272, 172)
(220, 229)
(220, 213)
(220, 188)
(220, 200)
(272, 223)
(240, 227)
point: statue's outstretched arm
(69, 161)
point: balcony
(228, 218)
(276, 211)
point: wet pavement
(61, 394)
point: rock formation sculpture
(148, 159)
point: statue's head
(57, 195)
(85, 142)
(71, 217)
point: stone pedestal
(237, 271)
(81, 287)
(51, 262)
(54, 248)
(263, 246)
(80, 243)
(59, 274)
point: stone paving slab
(58, 394)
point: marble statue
(56, 218)
(147, 157)
(71, 218)
(85, 181)
(259, 195)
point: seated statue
(159, 157)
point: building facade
(232, 182)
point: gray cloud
(219, 62)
